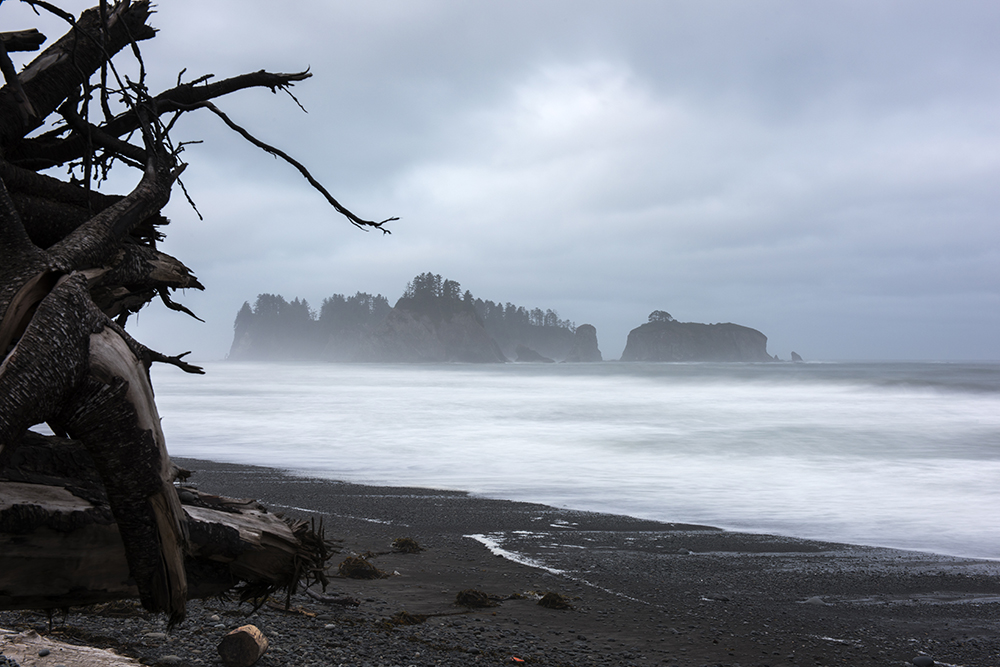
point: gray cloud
(823, 172)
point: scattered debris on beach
(406, 618)
(470, 597)
(553, 600)
(356, 567)
(406, 545)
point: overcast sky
(827, 173)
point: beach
(640, 592)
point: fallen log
(25, 648)
(243, 646)
(60, 546)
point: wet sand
(642, 592)
(650, 591)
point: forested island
(435, 321)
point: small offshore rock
(923, 661)
(815, 600)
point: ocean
(902, 455)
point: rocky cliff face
(526, 355)
(691, 341)
(409, 336)
(585, 345)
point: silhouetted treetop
(660, 316)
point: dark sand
(643, 593)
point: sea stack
(665, 339)
(584, 345)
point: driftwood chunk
(354, 567)
(553, 600)
(473, 598)
(406, 545)
(243, 646)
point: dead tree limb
(355, 220)
(53, 148)
(68, 63)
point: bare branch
(68, 63)
(101, 138)
(173, 305)
(355, 220)
(48, 149)
(10, 76)
(176, 360)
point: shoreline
(642, 592)
(472, 495)
(639, 581)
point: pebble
(170, 660)
(923, 661)
(42, 652)
(158, 636)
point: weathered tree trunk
(74, 263)
(60, 545)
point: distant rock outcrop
(411, 336)
(585, 345)
(526, 355)
(796, 357)
(663, 339)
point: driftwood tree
(75, 262)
